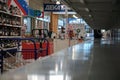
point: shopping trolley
(10, 56)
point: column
(54, 22)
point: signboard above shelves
(56, 8)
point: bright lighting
(62, 6)
(57, 2)
(86, 9)
(35, 77)
(56, 77)
(90, 15)
(75, 16)
(103, 30)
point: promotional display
(76, 31)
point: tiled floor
(62, 44)
(92, 60)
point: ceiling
(99, 14)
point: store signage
(23, 6)
(37, 13)
(25, 9)
(53, 7)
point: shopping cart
(11, 58)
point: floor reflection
(49, 77)
(82, 51)
(69, 64)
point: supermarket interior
(57, 40)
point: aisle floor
(90, 60)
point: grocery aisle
(91, 60)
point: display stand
(10, 27)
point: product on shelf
(1, 31)
(3, 5)
(0, 18)
(0, 5)
(14, 10)
(10, 27)
(10, 23)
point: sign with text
(54, 7)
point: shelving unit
(10, 27)
(10, 24)
(42, 23)
(39, 24)
(10, 57)
(12, 43)
(1, 63)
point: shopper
(50, 33)
(62, 33)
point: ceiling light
(82, 1)
(57, 2)
(86, 9)
(75, 16)
(90, 15)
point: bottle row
(8, 43)
(6, 19)
(10, 31)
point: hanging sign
(37, 13)
(53, 7)
(23, 6)
(56, 8)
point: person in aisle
(50, 33)
(62, 33)
(71, 34)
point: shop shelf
(10, 14)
